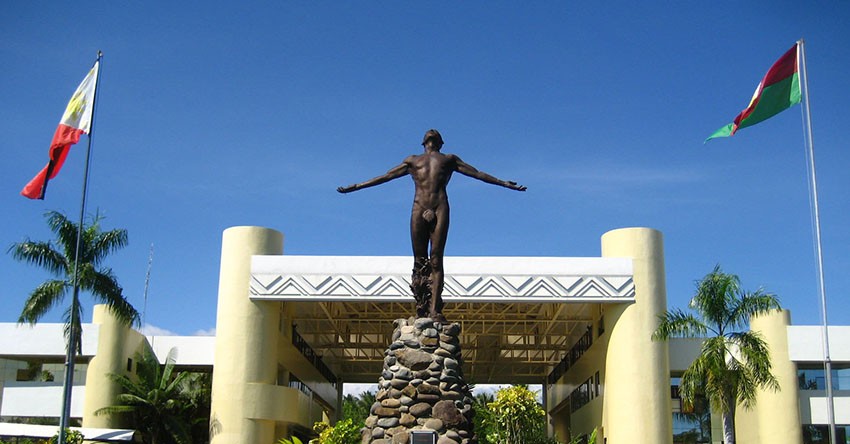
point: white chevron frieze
(468, 279)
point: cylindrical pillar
(637, 407)
(111, 358)
(778, 412)
(246, 339)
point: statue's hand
(347, 189)
(512, 185)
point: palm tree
(156, 400)
(357, 408)
(733, 363)
(197, 389)
(59, 260)
(483, 419)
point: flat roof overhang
(519, 315)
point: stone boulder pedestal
(422, 386)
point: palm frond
(755, 356)
(43, 299)
(133, 400)
(107, 242)
(678, 324)
(40, 254)
(104, 287)
(715, 294)
(176, 383)
(749, 305)
(66, 232)
(161, 409)
(148, 370)
(708, 374)
(178, 429)
(113, 409)
(127, 385)
(170, 361)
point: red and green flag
(777, 91)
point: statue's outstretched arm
(394, 173)
(468, 170)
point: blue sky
(213, 115)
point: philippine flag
(75, 122)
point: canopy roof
(9, 430)
(519, 316)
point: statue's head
(434, 135)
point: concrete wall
(39, 399)
(588, 417)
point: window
(819, 434)
(596, 377)
(691, 425)
(584, 393)
(814, 378)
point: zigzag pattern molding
(338, 282)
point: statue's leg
(420, 280)
(437, 283)
(438, 246)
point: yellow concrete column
(778, 412)
(637, 407)
(246, 340)
(116, 343)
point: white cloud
(491, 389)
(488, 388)
(356, 389)
(207, 332)
(153, 330)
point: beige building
(291, 330)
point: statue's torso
(431, 173)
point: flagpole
(71, 351)
(827, 361)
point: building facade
(291, 330)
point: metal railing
(308, 352)
(572, 356)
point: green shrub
(343, 432)
(71, 437)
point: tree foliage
(483, 420)
(581, 439)
(197, 390)
(58, 258)
(357, 408)
(164, 405)
(733, 363)
(343, 432)
(71, 437)
(515, 417)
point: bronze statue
(429, 221)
